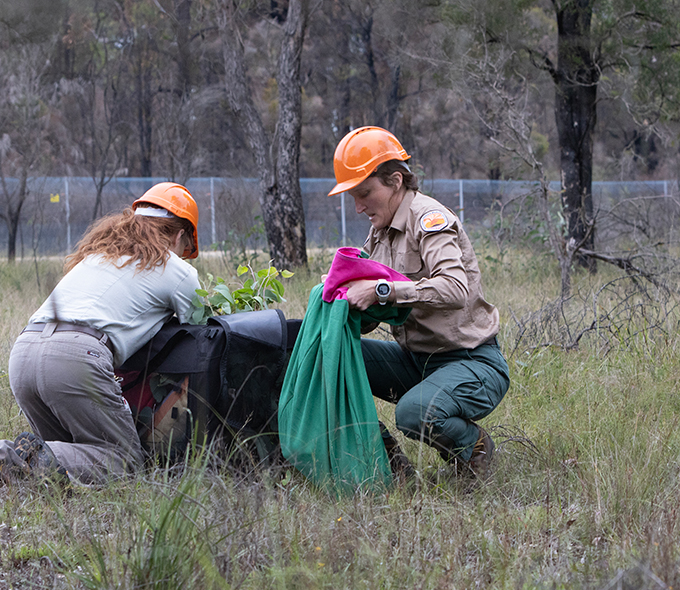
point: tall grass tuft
(165, 541)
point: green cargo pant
(438, 395)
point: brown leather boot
(482, 454)
(401, 466)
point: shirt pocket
(410, 264)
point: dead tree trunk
(277, 159)
(576, 78)
(12, 213)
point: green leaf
(286, 274)
(267, 272)
(202, 292)
(225, 292)
(217, 299)
(198, 317)
(277, 286)
(272, 296)
(241, 270)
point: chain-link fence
(57, 211)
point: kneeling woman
(125, 280)
(445, 371)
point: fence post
(212, 210)
(68, 216)
(461, 201)
(344, 223)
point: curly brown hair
(145, 240)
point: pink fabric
(348, 266)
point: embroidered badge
(92, 353)
(433, 221)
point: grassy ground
(584, 491)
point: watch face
(383, 289)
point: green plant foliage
(255, 290)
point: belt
(49, 328)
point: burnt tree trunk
(284, 214)
(277, 160)
(12, 213)
(394, 98)
(367, 37)
(182, 26)
(343, 32)
(576, 78)
(12, 233)
(144, 103)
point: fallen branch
(626, 264)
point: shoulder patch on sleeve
(433, 221)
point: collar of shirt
(401, 214)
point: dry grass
(584, 492)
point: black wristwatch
(382, 291)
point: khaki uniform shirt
(427, 243)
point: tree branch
(625, 264)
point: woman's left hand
(361, 294)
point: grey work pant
(438, 395)
(67, 389)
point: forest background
(572, 91)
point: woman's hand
(361, 294)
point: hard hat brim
(343, 187)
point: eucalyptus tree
(578, 44)
(277, 153)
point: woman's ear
(397, 179)
(178, 243)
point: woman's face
(377, 200)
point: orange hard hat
(360, 152)
(178, 200)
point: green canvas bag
(328, 424)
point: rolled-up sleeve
(441, 282)
(183, 295)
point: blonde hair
(145, 240)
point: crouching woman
(444, 369)
(124, 281)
